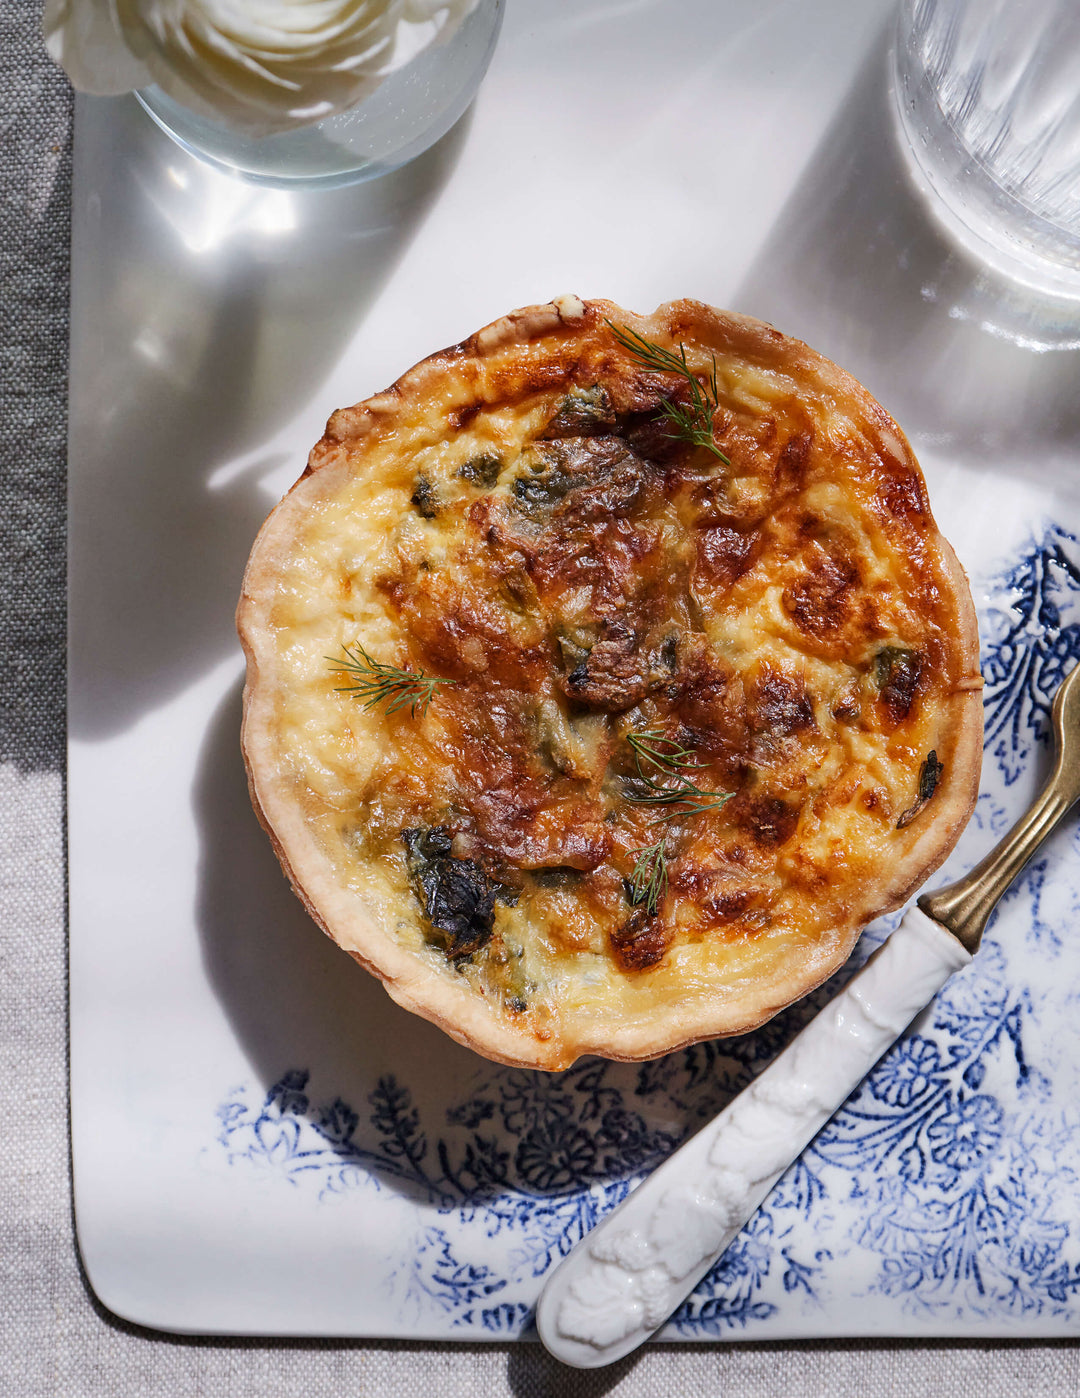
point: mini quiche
(605, 675)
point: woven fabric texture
(57, 1340)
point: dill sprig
(649, 881)
(376, 683)
(688, 798)
(665, 753)
(693, 423)
(670, 760)
(662, 766)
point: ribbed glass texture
(989, 94)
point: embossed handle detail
(623, 1281)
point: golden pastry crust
(768, 663)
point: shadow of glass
(206, 313)
(856, 266)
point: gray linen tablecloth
(56, 1338)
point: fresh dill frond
(649, 880)
(692, 422)
(375, 683)
(665, 753)
(686, 799)
(671, 760)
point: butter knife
(622, 1281)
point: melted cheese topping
(533, 531)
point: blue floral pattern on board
(964, 1186)
(941, 1183)
(529, 1156)
(1030, 641)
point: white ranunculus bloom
(260, 65)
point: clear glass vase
(408, 112)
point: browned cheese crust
(520, 515)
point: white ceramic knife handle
(623, 1281)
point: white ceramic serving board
(263, 1142)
